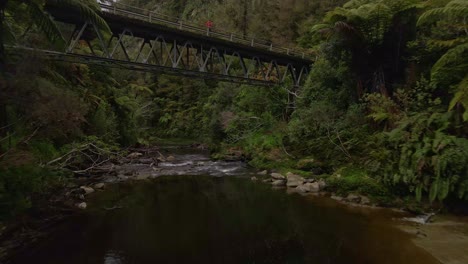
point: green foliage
(452, 67)
(454, 10)
(355, 180)
(426, 157)
(21, 186)
(45, 23)
(382, 109)
(461, 97)
(43, 150)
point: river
(211, 212)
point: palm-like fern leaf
(453, 64)
(461, 97)
(88, 10)
(46, 24)
(454, 9)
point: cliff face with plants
(383, 112)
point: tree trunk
(3, 110)
(2, 47)
(244, 20)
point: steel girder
(186, 57)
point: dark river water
(230, 219)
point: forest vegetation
(384, 111)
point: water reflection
(113, 257)
(220, 220)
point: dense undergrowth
(383, 111)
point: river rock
(87, 190)
(309, 187)
(294, 180)
(170, 158)
(267, 180)
(322, 184)
(254, 178)
(365, 200)
(82, 205)
(310, 180)
(337, 198)
(100, 185)
(122, 177)
(313, 186)
(277, 176)
(278, 183)
(141, 177)
(265, 172)
(353, 198)
(134, 155)
(146, 161)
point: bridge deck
(140, 26)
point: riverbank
(445, 237)
(145, 164)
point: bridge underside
(138, 45)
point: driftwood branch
(95, 157)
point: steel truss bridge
(147, 41)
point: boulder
(265, 172)
(309, 187)
(141, 177)
(322, 184)
(254, 178)
(353, 198)
(100, 185)
(277, 176)
(267, 180)
(87, 190)
(313, 186)
(170, 158)
(310, 180)
(122, 177)
(365, 200)
(146, 161)
(294, 180)
(337, 198)
(278, 183)
(82, 205)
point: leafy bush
(426, 157)
(20, 186)
(43, 150)
(355, 180)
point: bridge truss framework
(181, 57)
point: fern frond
(454, 9)
(461, 97)
(450, 43)
(46, 24)
(88, 10)
(452, 64)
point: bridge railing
(155, 17)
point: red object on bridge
(209, 24)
